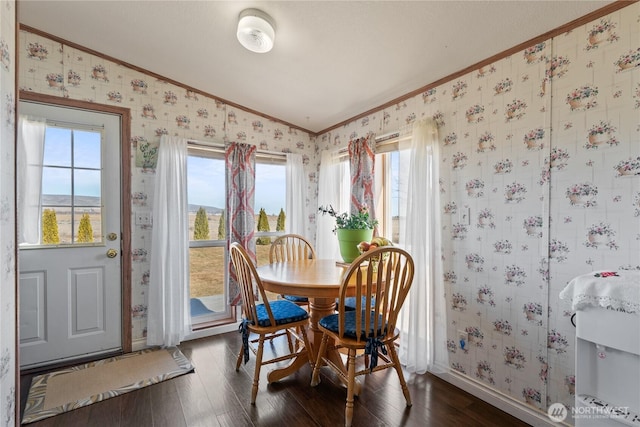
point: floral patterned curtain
(362, 161)
(240, 183)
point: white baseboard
(497, 399)
(141, 343)
(216, 330)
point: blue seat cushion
(294, 298)
(283, 312)
(331, 323)
(350, 303)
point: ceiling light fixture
(256, 30)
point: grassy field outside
(206, 265)
(206, 269)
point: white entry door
(70, 280)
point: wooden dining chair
(292, 247)
(380, 281)
(267, 319)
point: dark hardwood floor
(217, 395)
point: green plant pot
(349, 239)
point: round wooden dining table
(317, 279)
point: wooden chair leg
(396, 365)
(307, 346)
(291, 346)
(315, 378)
(256, 374)
(240, 357)
(351, 379)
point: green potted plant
(351, 229)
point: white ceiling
(332, 60)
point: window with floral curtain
(240, 184)
(362, 155)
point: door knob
(111, 253)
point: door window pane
(57, 147)
(87, 225)
(71, 186)
(56, 226)
(86, 149)
(56, 186)
(87, 183)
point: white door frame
(125, 202)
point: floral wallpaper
(7, 217)
(543, 149)
(157, 108)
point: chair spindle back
(291, 247)
(249, 283)
(381, 279)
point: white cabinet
(607, 306)
(607, 368)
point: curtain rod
(220, 148)
(387, 136)
(381, 141)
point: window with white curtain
(391, 182)
(71, 185)
(207, 234)
(391, 175)
(409, 159)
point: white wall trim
(216, 330)
(141, 344)
(497, 399)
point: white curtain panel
(333, 189)
(422, 323)
(296, 213)
(30, 153)
(168, 311)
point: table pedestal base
(279, 373)
(320, 307)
